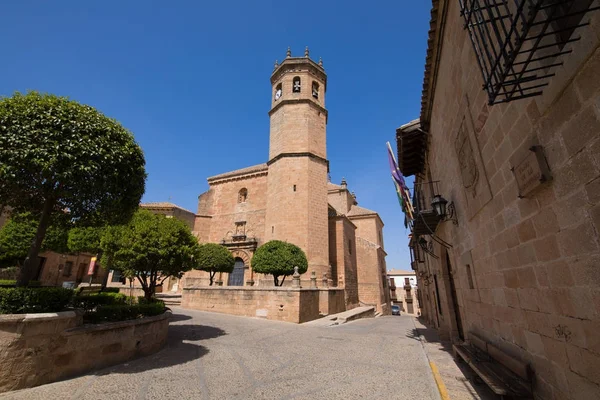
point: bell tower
(298, 165)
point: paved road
(215, 356)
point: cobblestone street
(215, 356)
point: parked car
(395, 310)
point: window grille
(519, 43)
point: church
(290, 198)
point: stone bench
(503, 374)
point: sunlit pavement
(216, 356)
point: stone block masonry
(44, 348)
(277, 303)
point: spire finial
(289, 52)
(276, 65)
(306, 52)
(344, 183)
(320, 62)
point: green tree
(214, 258)
(85, 239)
(17, 234)
(150, 248)
(57, 155)
(279, 259)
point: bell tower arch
(298, 165)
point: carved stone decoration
(476, 187)
(466, 160)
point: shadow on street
(178, 350)
(430, 335)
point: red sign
(92, 266)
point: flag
(402, 190)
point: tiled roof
(243, 171)
(163, 204)
(356, 211)
(431, 60)
(333, 212)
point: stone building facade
(55, 268)
(289, 198)
(404, 290)
(516, 258)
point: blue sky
(191, 81)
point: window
(437, 294)
(68, 268)
(296, 86)
(278, 92)
(117, 277)
(470, 277)
(566, 17)
(243, 195)
(350, 246)
(315, 90)
(294, 188)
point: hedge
(29, 300)
(124, 312)
(90, 302)
(13, 283)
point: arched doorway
(236, 277)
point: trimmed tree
(85, 239)
(279, 258)
(16, 236)
(57, 155)
(214, 258)
(150, 248)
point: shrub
(90, 302)
(124, 312)
(30, 300)
(13, 283)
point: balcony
(411, 141)
(519, 43)
(426, 219)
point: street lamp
(443, 209)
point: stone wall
(342, 256)
(331, 301)
(278, 303)
(43, 348)
(525, 270)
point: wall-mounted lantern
(446, 211)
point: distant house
(54, 268)
(404, 290)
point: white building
(404, 290)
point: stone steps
(170, 299)
(343, 317)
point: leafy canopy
(59, 156)
(150, 247)
(85, 239)
(55, 149)
(16, 236)
(279, 258)
(214, 258)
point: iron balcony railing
(426, 219)
(519, 43)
